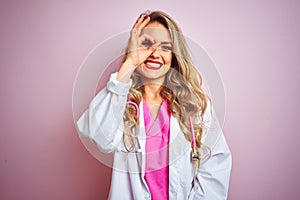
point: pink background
(254, 44)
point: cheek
(168, 59)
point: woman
(158, 122)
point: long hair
(182, 89)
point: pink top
(157, 154)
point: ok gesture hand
(140, 47)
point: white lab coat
(102, 122)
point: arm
(102, 122)
(214, 174)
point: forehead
(157, 31)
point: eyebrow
(166, 43)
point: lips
(153, 65)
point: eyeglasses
(163, 46)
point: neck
(153, 98)
(152, 91)
(152, 88)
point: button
(147, 196)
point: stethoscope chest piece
(195, 155)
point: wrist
(125, 72)
(129, 64)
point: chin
(150, 74)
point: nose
(155, 52)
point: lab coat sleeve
(102, 122)
(214, 173)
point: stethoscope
(195, 155)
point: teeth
(153, 64)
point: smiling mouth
(153, 65)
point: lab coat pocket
(128, 161)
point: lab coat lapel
(173, 168)
(178, 147)
(174, 132)
(141, 137)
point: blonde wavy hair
(182, 89)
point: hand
(140, 46)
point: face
(159, 62)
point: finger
(142, 22)
(145, 36)
(155, 45)
(138, 21)
(136, 31)
(145, 22)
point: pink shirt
(157, 154)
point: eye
(166, 48)
(147, 43)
